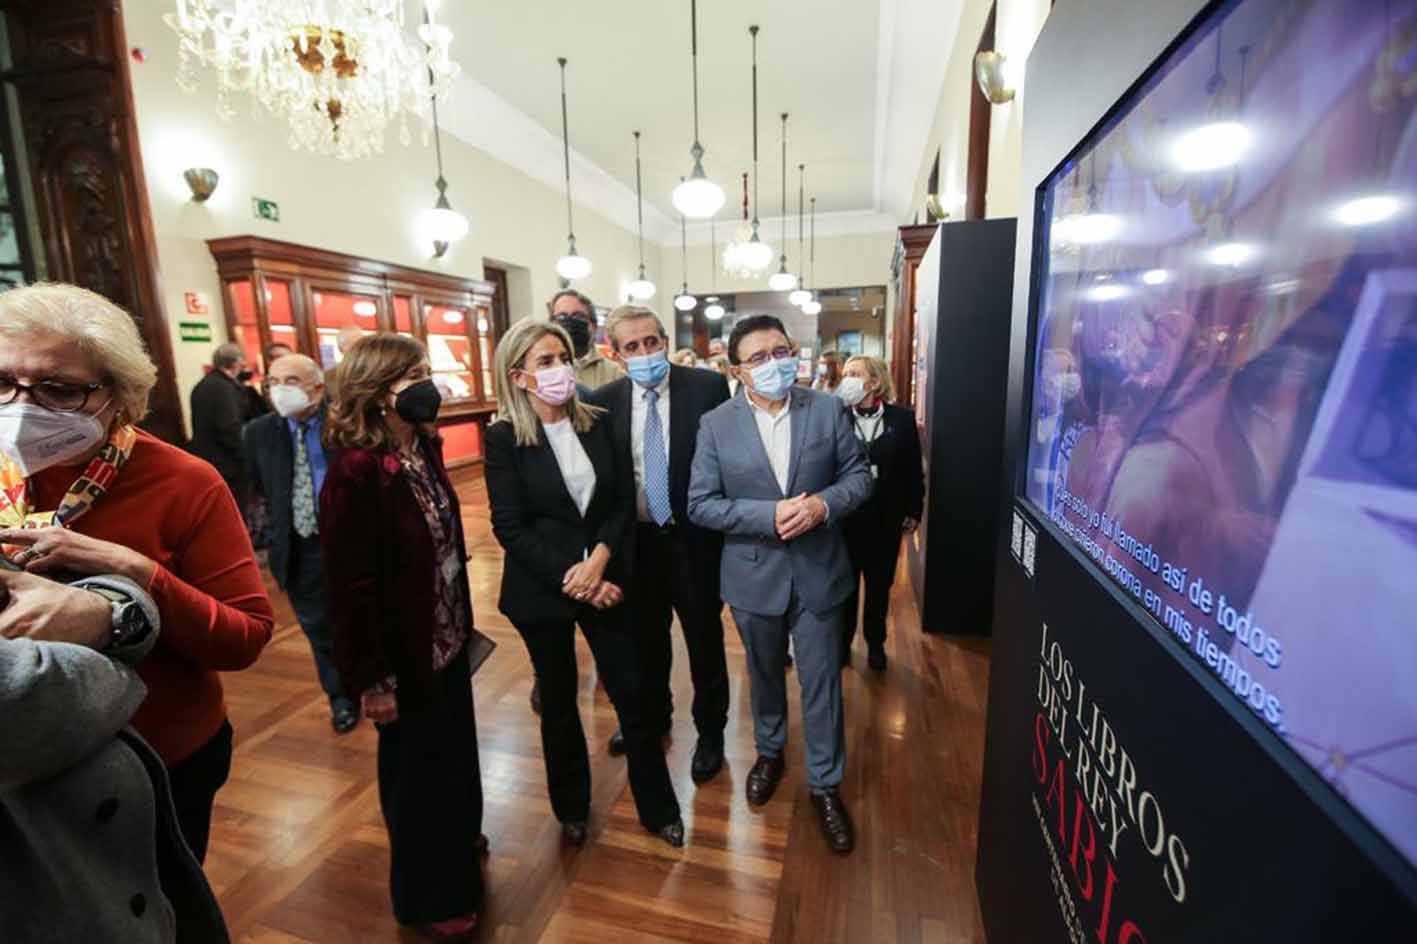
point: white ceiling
(834, 65)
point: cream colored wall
(1016, 27)
(366, 208)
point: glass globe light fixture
(714, 312)
(782, 281)
(642, 289)
(813, 307)
(685, 302)
(573, 265)
(799, 297)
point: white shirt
(868, 425)
(639, 415)
(776, 434)
(576, 470)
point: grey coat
(89, 843)
(733, 490)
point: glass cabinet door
(449, 350)
(245, 325)
(334, 311)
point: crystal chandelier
(338, 71)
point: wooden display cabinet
(278, 292)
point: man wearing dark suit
(654, 423)
(777, 470)
(220, 407)
(286, 460)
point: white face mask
(36, 438)
(852, 390)
(289, 400)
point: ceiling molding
(840, 223)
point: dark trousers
(666, 583)
(430, 791)
(553, 656)
(195, 779)
(873, 545)
(305, 586)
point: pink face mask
(555, 385)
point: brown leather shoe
(836, 822)
(763, 779)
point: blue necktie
(656, 463)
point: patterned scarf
(88, 488)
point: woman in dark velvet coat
(395, 567)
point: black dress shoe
(763, 779)
(574, 833)
(344, 720)
(836, 822)
(708, 761)
(876, 658)
(536, 696)
(672, 834)
(617, 743)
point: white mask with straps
(36, 438)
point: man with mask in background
(221, 405)
(287, 460)
(575, 313)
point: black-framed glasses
(53, 395)
(776, 354)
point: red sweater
(176, 510)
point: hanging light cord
(684, 252)
(639, 204)
(784, 190)
(698, 148)
(441, 183)
(713, 252)
(813, 270)
(566, 151)
(801, 241)
(754, 31)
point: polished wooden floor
(299, 853)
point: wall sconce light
(991, 73)
(201, 181)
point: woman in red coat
(401, 610)
(84, 491)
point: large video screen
(1224, 377)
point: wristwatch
(134, 616)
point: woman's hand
(38, 608)
(47, 550)
(607, 596)
(583, 579)
(380, 707)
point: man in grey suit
(777, 470)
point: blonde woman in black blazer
(561, 513)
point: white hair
(97, 330)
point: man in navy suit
(654, 423)
(777, 470)
(286, 461)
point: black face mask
(579, 330)
(418, 403)
(245, 375)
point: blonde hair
(719, 362)
(97, 330)
(515, 403)
(879, 371)
(370, 367)
(684, 357)
(626, 313)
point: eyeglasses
(51, 394)
(776, 354)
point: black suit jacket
(900, 482)
(220, 407)
(270, 466)
(542, 532)
(693, 392)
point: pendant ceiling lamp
(813, 307)
(641, 289)
(684, 301)
(748, 257)
(442, 225)
(713, 311)
(572, 265)
(799, 296)
(698, 198)
(782, 280)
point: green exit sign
(265, 209)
